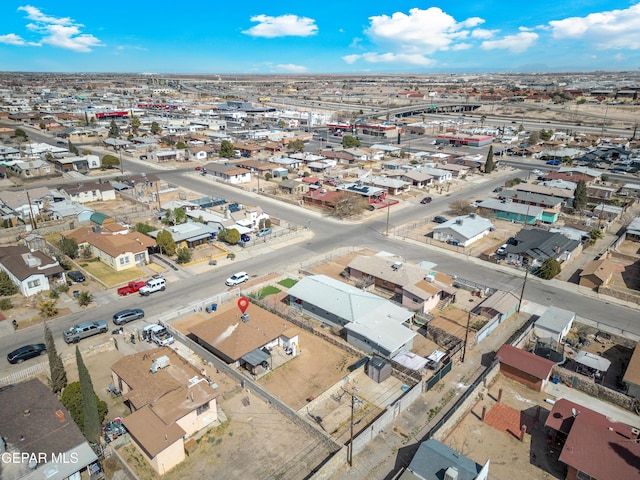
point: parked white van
(156, 284)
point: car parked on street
(245, 238)
(440, 219)
(237, 279)
(26, 352)
(426, 200)
(84, 330)
(263, 232)
(128, 315)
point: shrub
(5, 304)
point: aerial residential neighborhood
(412, 277)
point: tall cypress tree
(580, 196)
(89, 401)
(489, 165)
(58, 374)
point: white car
(237, 279)
(536, 172)
(502, 250)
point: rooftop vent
(160, 363)
(451, 473)
(396, 266)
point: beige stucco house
(170, 401)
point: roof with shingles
(595, 445)
(524, 361)
(14, 259)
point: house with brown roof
(170, 401)
(420, 289)
(40, 439)
(632, 374)
(594, 446)
(597, 274)
(229, 173)
(123, 251)
(524, 367)
(32, 272)
(233, 337)
(89, 192)
(323, 198)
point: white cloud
(59, 32)
(35, 14)
(423, 31)
(514, 43)
(12, 39)
(401, 58)
(291, 68)
(483, 33)
(282, 26)
(607, 30)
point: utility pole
(466, 336)
(353, 405)
(388, 213)
(121, 166)
(524, 283)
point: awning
(199, 237)
(256, 357)
(592, 361)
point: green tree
(110, 161)
(92, 422)
(580, 196)
(143, 228)
(68, 246)
(72, 401)
(135, 124)
(546, 134)
(180, 215)
(264, 223)
(226, 149)
(84, 298)
(232, 236)
(155, 128)
(20, 135)
(42, 126)
(7, 287)
(295, 146)
(534, 138)
(114, 130)
(166, 242)
(48, 308)
(72, 148)
(349, 141)
(549, 269)
(595, 234)
(490, 164)
(58, 374)
(181, 145)
(184, 255)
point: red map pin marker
(243, 303)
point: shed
(524, 367)
(378, 369)
(280, 172)
(554, 324)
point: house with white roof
(463, 230)
(372, 323)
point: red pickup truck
(131, 287)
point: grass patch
(266, 291)
(109, 276)
(287, 282)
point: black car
(439, 219)
(75, 276)
(21, 354)
(426, 200)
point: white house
(32, 272)
(463, 230)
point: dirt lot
(532, 459)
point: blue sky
(324, 37)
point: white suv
(237, 279)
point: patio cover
(410, 360)
(592, 361)
(256, 357)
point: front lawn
(108, 275)
(287, 282)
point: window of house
(202, 408)
(124, 260)
(583, 476)
(33, 283)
